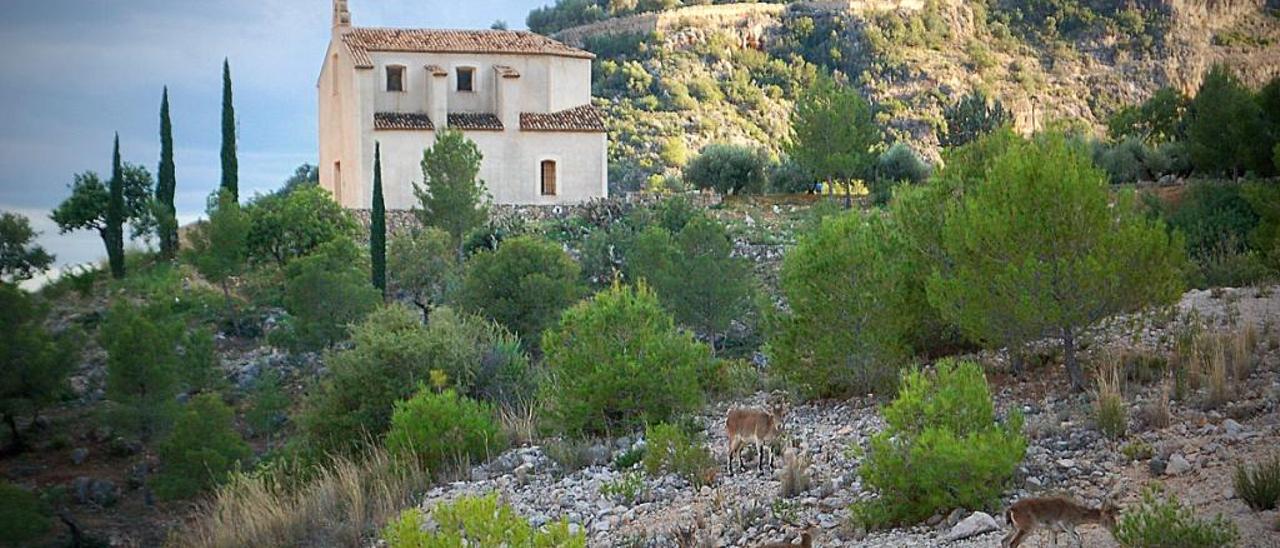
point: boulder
(972, 526)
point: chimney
(506, 91)
(438, 96)
(341, 16)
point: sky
(75, 72)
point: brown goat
(756, 427)
(1055, 514)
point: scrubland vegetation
(626, 320)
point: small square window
(466, 79)
(395, 78)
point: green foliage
(1259, 487)
(294, 222)
(378, 227)
(202, 450)
(694, 274)
(267, 403)
(444, 429)
(617, 361)
(391, 353)
(524, 285)
(627, 488)
(846, 329)
(199, 369)
(833, 132)
(564, 14)
(788, 176)
(1040, 248)
(422, 265)
(941, 449)
(142, 363)
(326, 291)
(166, 185)
(729, 169)
(971, 117)
(451, 197)
(20, 257)
(33, 364)
(1225, 127)
(668, 448)
(1265, 237)
(23, 516)
(898, 163)
(477, 521)
(1228, 229)
(1159, 521)
(219, 247)
(89, 206)
(230, 164)
(1156, 120)
(1131, 160)
(115, 215)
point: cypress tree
(115, 214)
(230, 170)
(166, 184)
(378, 226)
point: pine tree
(834, 134)
(166, 185)
(230, 170)
(115, 214)
(378, 226)
(451, 196)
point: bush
(1160, 521)
(788, 176)
(33, 363)
(422, 266)
(391, 352)
(972, 117)
(524, 285)
(617, 361)
(729, 169)
(1259, 487)
(477, 521)
(1225, 128)
(846, 328)
(326, 291)
(694, 274)
(941, 449)
(23, 517)
(444, 428)
(899, 163)
(141, 369)
(267, 404)
(284, 226)
(668, 448)
(202, 449)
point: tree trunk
(17, 445)
(848, 195)
(1069, 358)
(426, 309)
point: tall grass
(1109, 408)
(341, 503)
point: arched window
(548, 178)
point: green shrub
(627, 488)
(1259, 487)
(941, 449)
(142, 360)
(629, 458)
(900, 162)
(788, 177)
(617, 361)
(267, 403)
(729, 169)
(284, 226)
(23, 516)
(33, 363)
(477, 521)
(422, 265)
(1159, 521)
(972, 117)
(200, 369)
(326, 291)
(391, 352)
(444, 428)
(524, 285)
(846, 328)
(202, 449)
(669, 448)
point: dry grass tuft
(341, 503)
(519, 423)
(1110, 412)
(1157, 413)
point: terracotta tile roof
(362, 40)
(584, 118)
(475, 121)
(401, 120)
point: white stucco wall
(510, 167)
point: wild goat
(1055, 514)
(806, 541)
(756, 427)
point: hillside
(675, 80)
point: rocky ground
(1193, 457)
